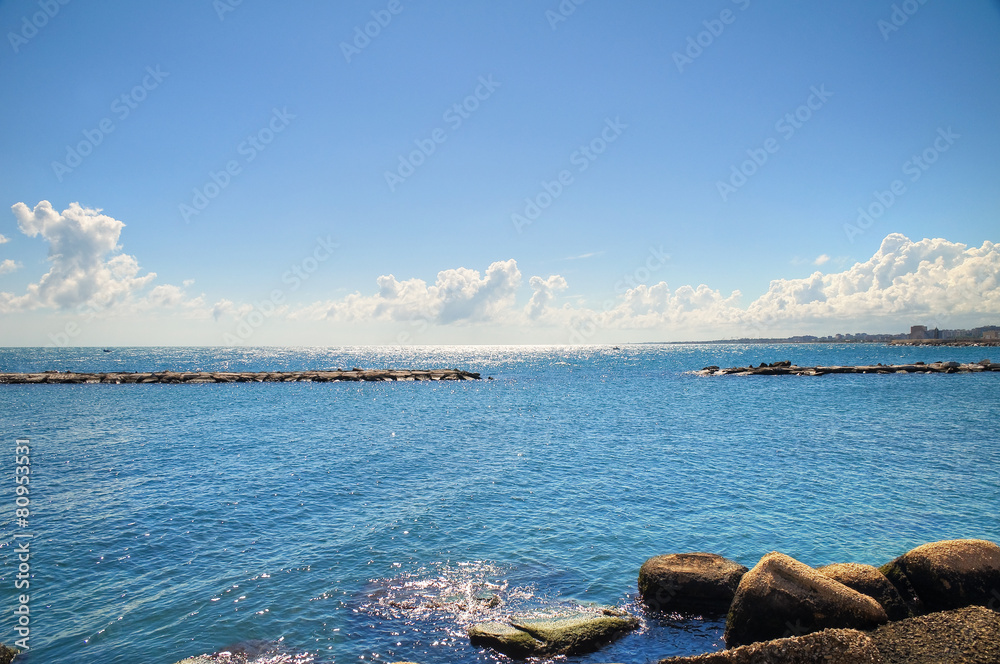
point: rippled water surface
(377, 521)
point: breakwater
(958, 343)
(196, 377)
(786, 368)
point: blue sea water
(365, 521)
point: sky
(232, 172)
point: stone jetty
(786, 368)
(195, 377)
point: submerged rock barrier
(195, 377)
(786, 368)
(945, 342)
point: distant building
(992, 335)
(918, 332)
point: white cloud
(902, 282)
(87, 268)
(903, 278)
(89, 273)
(4, 239)
(544, 291)
(458, 295)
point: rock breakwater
(196, 377)
(935, 604)
(786, 368)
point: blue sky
(229, 147)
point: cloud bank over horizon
(933, 280)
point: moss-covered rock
(689, 582)
(782, 597)
(504, 637)
(947, 575)
(867, 580)
(563, 634)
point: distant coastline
(824, 340)
(919, 335)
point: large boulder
(830, 646)
(867, 580)
(947, 575)
(689, 582)
(962, 636)
(782, 597)
(562, 634)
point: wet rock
(487, 598)
(963, 636)
(782, 597)
(7, 654)
(867, 580)
(247, 652)
(563, 634)
(689, 582)
(947, 575)
(830, 646)
(505, 638)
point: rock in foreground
(947, 575)
(830, 646)
(566, 634)
(782, 597)
(689, 582)
(867, 580)
(964, 636)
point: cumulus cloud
(932, 276)
(904, 280)
(87, 267)
(543, 293)
(88, 271)
(4, 239)
(459, 295)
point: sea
(375, 522)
